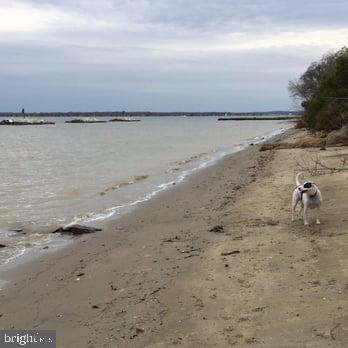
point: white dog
(310, 197)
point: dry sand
(158, 277)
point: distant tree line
(143, 114)
(323, 92)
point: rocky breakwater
(125, 119)
(24, 122)
(85, 120)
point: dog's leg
(318, 214)
(294, 204)
(305, 216)
(301, 209)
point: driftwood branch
(317, 166)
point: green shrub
(323, 92)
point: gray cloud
(161, 54)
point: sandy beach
(212, 262)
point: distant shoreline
(260, 118)
(289, 114)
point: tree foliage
(323, 92)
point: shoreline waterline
(117, 210)
(98, 218)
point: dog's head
(309, 186)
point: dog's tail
(298, 178)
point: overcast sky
(161, 55)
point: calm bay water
(58, 174)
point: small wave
(192, 159)
(9, 254)
(183, 174)
(137, 178)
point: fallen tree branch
(316, 166)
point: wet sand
(214, 261)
